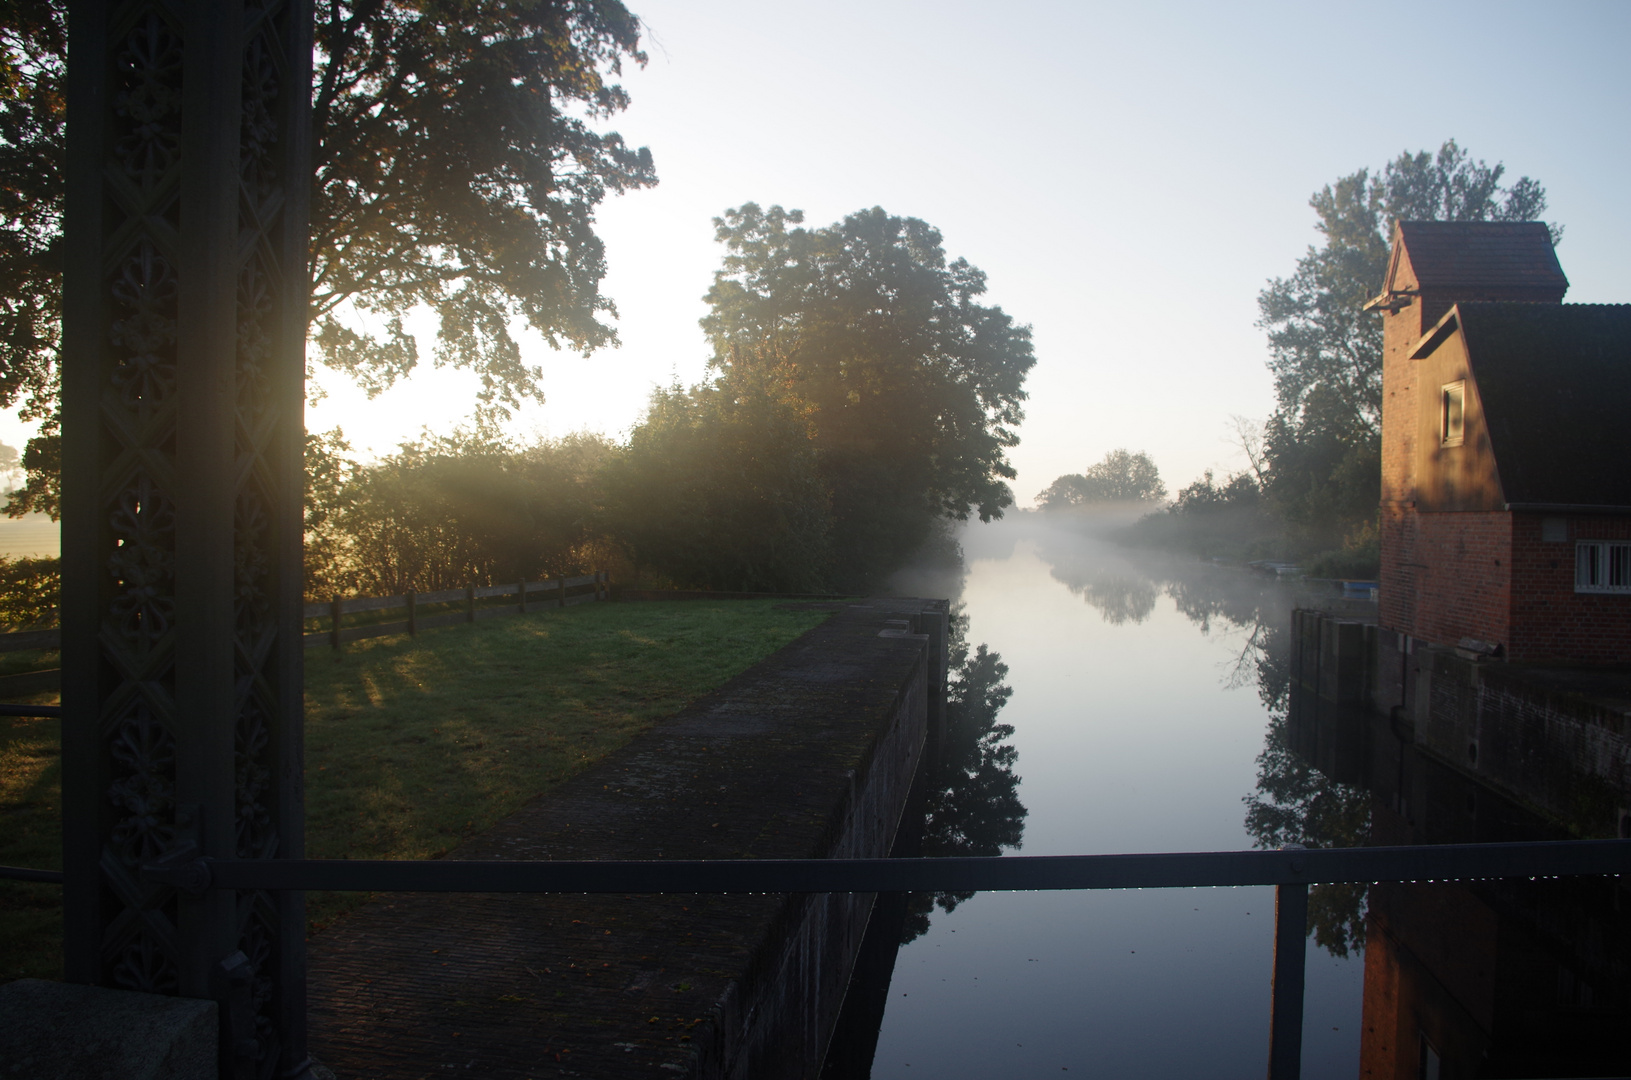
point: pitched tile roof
(1482, 254)
(1555, 382)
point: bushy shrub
(30, 591)
(468, 508)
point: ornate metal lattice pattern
(144, 234)
(139, 946)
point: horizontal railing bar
(28, 873)
(30, 639)
(1143, 871)
(46, 712)
(30, 682)
(323, 609)
(445, 596)
(371, 603)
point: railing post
(469, 603)
(413, 613)
(334, 614)
(1290, 955)
(521, 597)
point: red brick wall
(1446, 576)
(1550, 621)
(1396, 605)
(1400, 331)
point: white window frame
(1602, 566)
(1458, 391)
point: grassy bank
(414, 743)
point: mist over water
(1137, 726)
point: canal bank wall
(810, 754)
(1554, 738)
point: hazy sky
(1129, 176)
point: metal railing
(1291, 870)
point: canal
(1147, 703)
(1137, 722)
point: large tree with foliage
(457, 167)
(1322, 444)
(909, 387)
(719, 488)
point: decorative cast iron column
(183, 368)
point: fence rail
(554, 592)
(527, 596)
(24, 683)
(30, 639)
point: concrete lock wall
(788, 1005)
(1556, 739)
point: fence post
(603, 586)
(334, 621)
(469, 603)
(1290, 956)
(521, 597)
(413, 613)
(562, 580)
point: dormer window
(1453, 413)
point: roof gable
(1475, 256)
(1555, 383)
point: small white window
(1601, 566)
(1452, 413)
(1432, 1066)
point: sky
(1128, 176)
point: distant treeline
(1239, 517)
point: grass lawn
(414, 743)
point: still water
(1138, 721)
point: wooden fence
(524, 596)
(30, 682)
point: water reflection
(1295, 803)
(1494, 978)
(971, 798)
(1136, 726)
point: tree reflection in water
(971, 793)
(1294, 802)
(965, 802)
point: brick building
(1506, 449)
